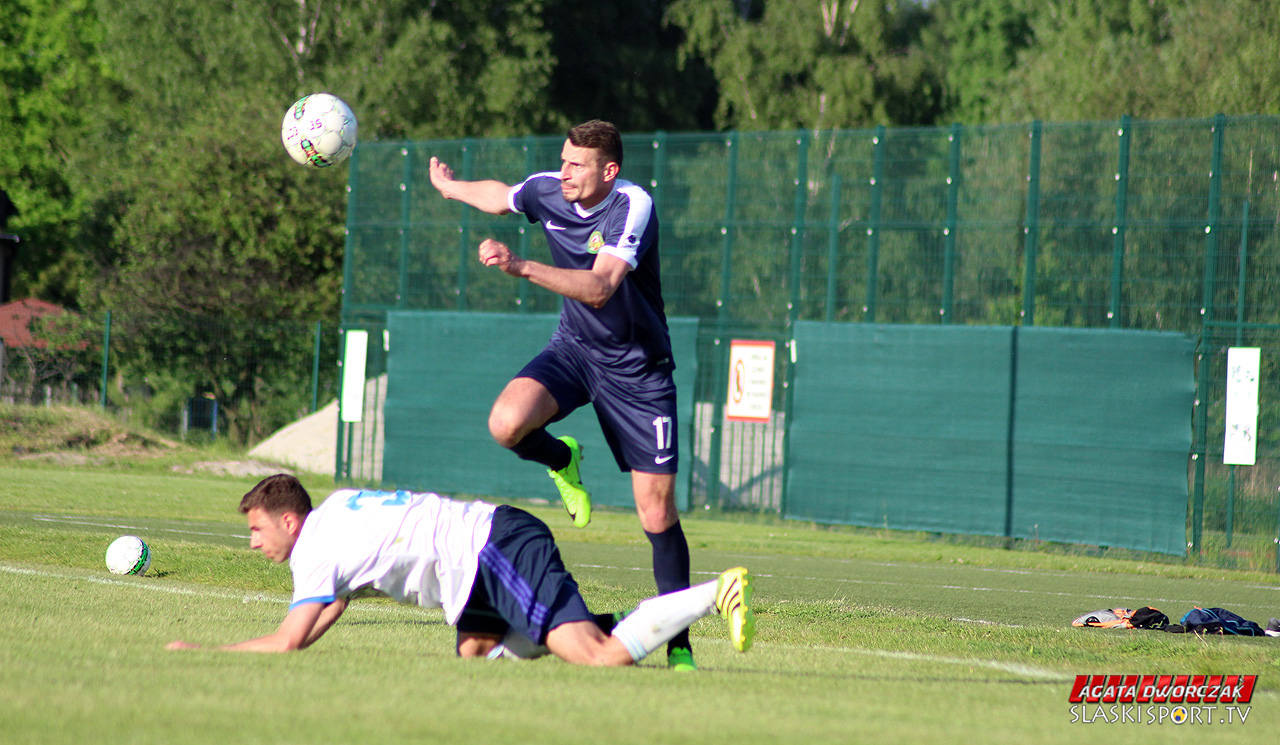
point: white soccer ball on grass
(128, 554)
(319, 130)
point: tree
(977, 43)
(1099, 59)
(205, 217)
(619, 61)
(53, 86)
(812, 65)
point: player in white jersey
(496, 572)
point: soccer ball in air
(319, 130)
(128, 554)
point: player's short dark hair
(277, 495)
(601, 136)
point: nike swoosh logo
(660, 459)
(552, 226)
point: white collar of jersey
(588, 212)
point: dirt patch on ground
(69, 436)
(309, 444)
(237, 468)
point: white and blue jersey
(421, 549)
(629, 334)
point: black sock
(606, 621)
(540, 447)
(671, 570)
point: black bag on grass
(1148, 618)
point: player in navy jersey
(611, 348)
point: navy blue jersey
(629, 333)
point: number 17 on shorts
(664, 440)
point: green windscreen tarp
(444, 370)
(1067, 435)
(900, 426)
(1101, 437)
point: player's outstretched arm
(301, 627)
(487, 196)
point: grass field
(861, 637)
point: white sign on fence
(750, 381)
(353, 364)
(1243, 368)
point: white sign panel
(353, 363)
(750, 381)
(1243, 368)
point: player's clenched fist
(496, 253)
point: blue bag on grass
(1219, 621)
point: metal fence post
(1206, 316)
(530, 166)
(719, 362)
(793, 306)
(1119, 229)
(1242, 272)
(873, 223)
(659, 180)
(106, 358)
(406, 207)
(833, 248)
(315, 369)
(953, 221)
(464, 227)
(799, 209)
(1031, 230)
(733, 143)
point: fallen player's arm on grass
(301, 627)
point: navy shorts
(522, 584)
(637, 412)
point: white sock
(657, 619)
(515, 646)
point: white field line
(887, 583)
(140, 528)
(839, 580)
(1047, 573)
(1027, 671)
(140, 584)
(965, 588)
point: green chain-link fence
(182, 374)
(1149, 225)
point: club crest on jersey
(595, 242)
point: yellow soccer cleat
(576, 498)
(733, 600)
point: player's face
(584, 179)
(271, 534)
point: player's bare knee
(504, 430)
(657, 518)
(476, 646)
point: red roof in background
(15, 318)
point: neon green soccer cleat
(733, 600)
(680, 659)
(576, 498)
